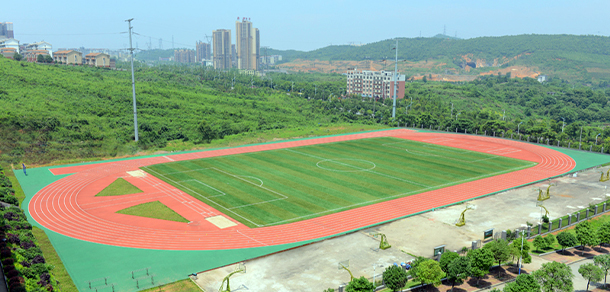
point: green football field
(292, 184)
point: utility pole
(133, 84)
(395, 81)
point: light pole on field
(518, 126)
(133, 84)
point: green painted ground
(287, 185)
(119, 187)
(155, 210)
(86, 261)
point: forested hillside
(53, 112)
(582, 58)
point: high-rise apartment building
(203, 51)
(222, 49)
(184, 56)
(6, 30)
(377, 84)
(247, 40)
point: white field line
(348, 206)
(204, 197)
(403, 194)
(359, 168)
(415, 152)
(283, 197)
(209, 186)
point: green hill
(57, 112)
(572, 57)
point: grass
(155, 210)
(52, 258)
(19, 194)
(118, 188)
(287, 185)
(178, 286)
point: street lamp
(564, 124)
(521, 255)
(596, 138)
(518, 126)
(374, 273)
(503, 114)
(580, 139)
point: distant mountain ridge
(574, 57)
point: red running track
(69, 206)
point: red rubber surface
(69, 205)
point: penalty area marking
(221, 222)
(137, 173)
(337, 161)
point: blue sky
(301, 25)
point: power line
(60, 34)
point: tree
(458, 270)
(591, 272)
(207, 133)
(395, 277)
(603, 261)
(566, 239)
(447, 258)
(554, 277)
(585, 234)
(525, 254)
(17, 57)
(500, 250)
(48, 59)
(539, 243)
(480, 261)
(429, 272)
(550, 240)
(415, 266)
(523, 283)
(603, 233)
(40, 59)
(360, 285)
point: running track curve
(69, 206)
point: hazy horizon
(299, 26)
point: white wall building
(40, 46)
(378, 84)
(10, 43)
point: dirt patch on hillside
(411, 68)
(515, 71)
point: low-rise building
(8, 52)
(32, 55)
(40, 46)
(10, 43)
(68, 57)
(97, 59)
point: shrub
(39, 259)
(5, 253)
(39, 269)
(31, 253)
(27, 244)
(15, 279)
(545, 218)
(8, 261)
(12, 273)
(25, 264)
(13, 238)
